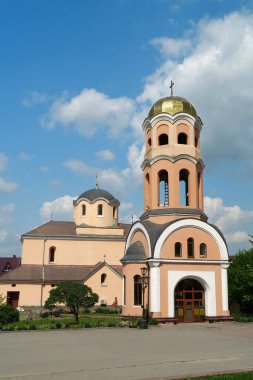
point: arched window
(147, 190)
(163, 139)
(202, 250)
(163, 188)
(196, 140)
(184, 187)
(52, 254)
(83, 210)
(149, 143)
(103, 279)
(182, 138)
(190, 247)
(114, 212)
(137, 290)
(178, 249)
(100, 210)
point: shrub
(58, 325)
(45, 314)
(8, 314)
(52, 327)
(32, 327)
(67, 326)
(153, 322)
(56, 313)
(1, 326)
(106, 310)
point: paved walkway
(164, 352)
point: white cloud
(3, 161)
(91, 110)
(170, 46)
(216, 76)
(105, 155)
(230, 219)
(79, 167)
(35, 98)
(25, 156)
(56, 183)
(7, 187)
(3, 235)
(60, 208)
(44, 169)
(5, 213)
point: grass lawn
(232, 376)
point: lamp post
(144, 281)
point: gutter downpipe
(42, 274)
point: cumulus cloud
(232, 220)
(60, 208)
(7, 187)
(90, 110)
(170, 46)
(215, 74)
(105, 155)
(35, 98)
(3, 161)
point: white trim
(207, 280)
(154, 287)
(190, 261)
(138, 226)
(196, 224)
(224, 288)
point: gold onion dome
(172, 105)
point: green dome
(172, 105)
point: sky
(77, 79)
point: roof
(8, 264)
(172, 105)
(95, 194)
(55, 273)
(135, 252)
(68, 229)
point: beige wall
(92, 218)
(72, 252)
(199, 236)
(111, 289)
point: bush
(153, 322)
(67, 326)
(58, 325)
(45, 314)
(106, 310)
(8, 314)
(1, 326)
(32, 327)
(52, 327)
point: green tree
(2, 299)
(73, 295)
(240, 281)
(8, 314)
(251, 241)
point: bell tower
(173, 165)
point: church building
(185, 257)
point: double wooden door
(189, 301)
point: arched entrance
(189, 301)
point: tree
(2, 299)
(240, 281)
(251, 241)
(73, 295)
(8, 314)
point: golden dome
(172, 105)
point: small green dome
(172, 105)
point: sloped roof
(55, 273)
(67, 229)
(14, 262)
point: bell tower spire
(173, 165)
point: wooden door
(12, 298)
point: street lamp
(144, 281)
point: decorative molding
(138, 226)
(207, 280)
(195, 223)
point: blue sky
(77, 80)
